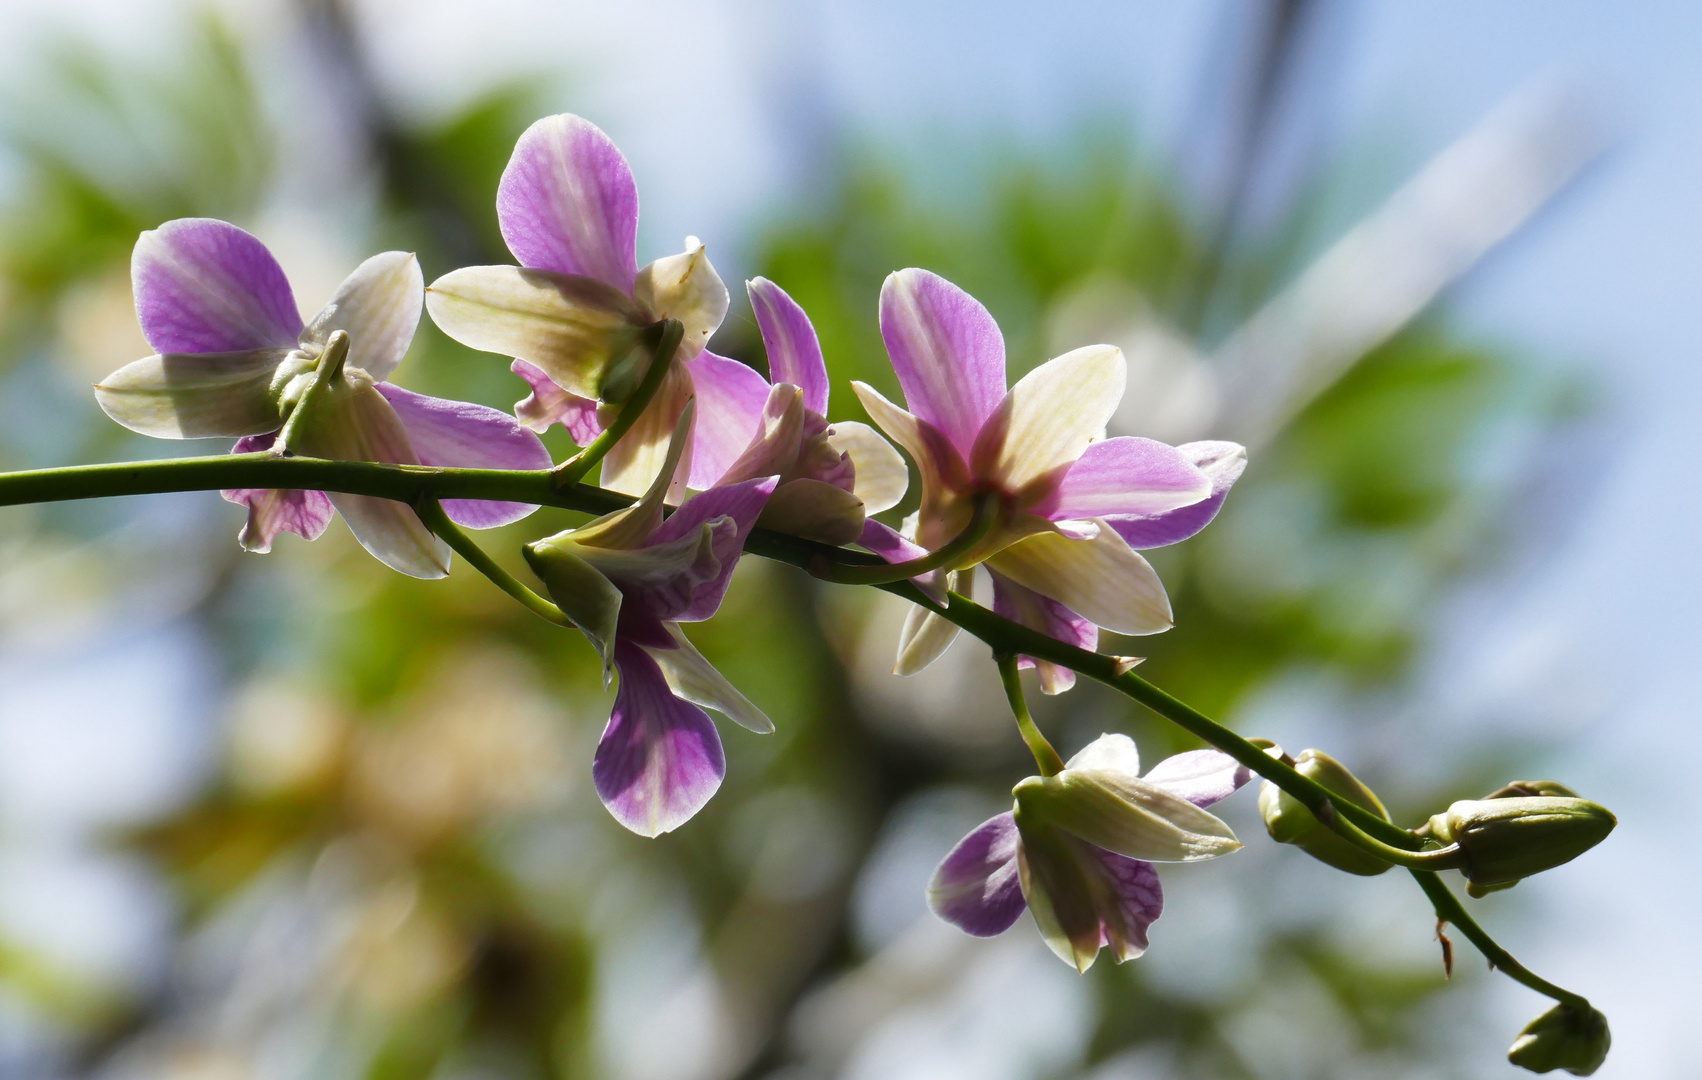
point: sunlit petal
(942, 470)
(459, 434)
(634, 463)
(660, 758)
(204, 286)
(1048, 419)
(695, 679)
(881, 477)
(573, 328)
(947, 351)
(379, 305)
(1222, 463)
(740, 504)
(772, 449)
(195, 395)
(1203, 777)
(794, 352)
(1111, 809)
(567, 202)
(1126, 477)
(685, 287)
(1113, 752)
(549, 404)
(1102, 579)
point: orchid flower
(627, 580)
(572, 314)
(831, 475)
(1078, 849)
(1024, 480)
(235, 360)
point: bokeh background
(292, 817)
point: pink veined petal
(1223, 463)
(567, 202)
(459, 434)
(550, 404)
(730, 399)
(1131, 901)
(305, 513)
(977, 887)
(947, 351)
(660, 758)
(741, 503)
(794, 351)
(204, 285)
(1203, 777)
(1025, 606)
(1128, 477)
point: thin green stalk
(573, 470)
(1045, 757)
(981, 523)
(1449, 909)
(432, 513)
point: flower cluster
(1023, 481)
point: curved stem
(573, 470)
(1045, 757)
(948, 555)
(1449, 908)
(432, 513)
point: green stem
(573, 470)
(1045, 757)
(1449, 908)
(432, 513)
(981, 523)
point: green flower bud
(1508, 839)
(1290, 822)
(1563, 1038)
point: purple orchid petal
(1203, 777)
(1223, 463)
(270, 511)
(1127, 477)
(550, 404)
(947, 351)
(977, 887)
(1136, 900)
(660, 758)
(567, 202)
(794, 352)
(730, 399)
(204, 286)
(889, 543)
(1025, 606)
(459, 434)
(742, 503)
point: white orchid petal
(379, 306)
(882, 477)
(685, 287)
(195, 395)
(1102, 579)
(1050, 417)
(694, 678)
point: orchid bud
(1563, 1038)
(1289, 821)
(1507, 839)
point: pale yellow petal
(1049, 418)
(685, 287)
(196, 395)
(1101, 579)
(882, 477)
